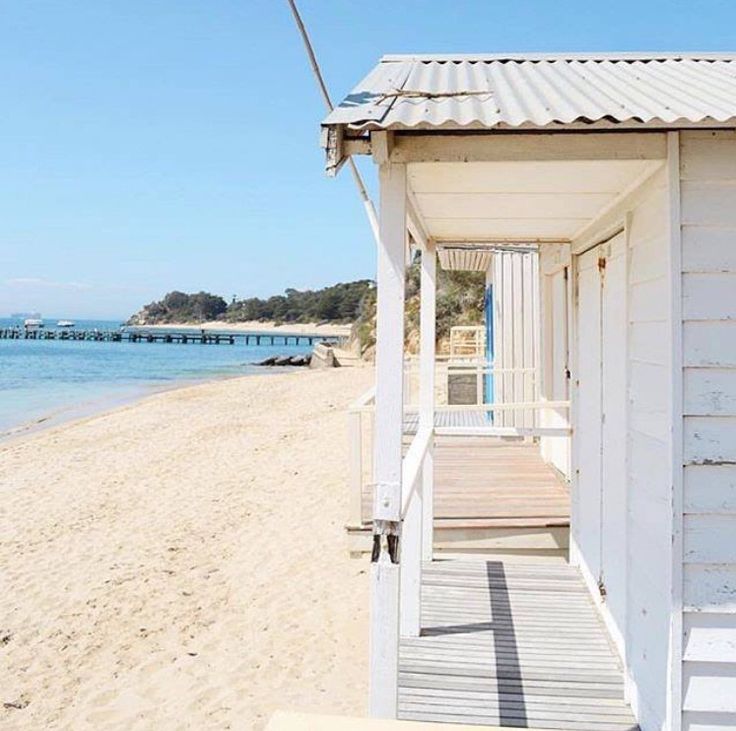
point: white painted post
(385, 569)
(428, 294)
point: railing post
(385, 568)
(428, 292)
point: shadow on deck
(511, 644)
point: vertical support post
(427, 321)
(385, 568)
(355, 440)
(674, 261)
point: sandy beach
(181, 562)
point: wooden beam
(382, 144)
(415, 222)
(385, 567)
(356, 146)
(529, 146)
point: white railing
(361, 415)
(414, 468)
(360, 433)
(510, 384)
(411, 466)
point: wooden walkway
(511, 644)
(486, 482)
(447, 418)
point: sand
(182, 563)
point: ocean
(54, 380)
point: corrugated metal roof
(419, 92)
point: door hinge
(602, 588)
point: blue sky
(147, 146)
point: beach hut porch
(437, 638)
(491, 494)
(619, 168)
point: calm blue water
(61, 379)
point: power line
(362, 190)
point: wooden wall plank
(703, 721)
(708, 248)
(710, 539)
(710, 588)
(710, 439)
(648, 300)
(708, 158)
(709, 344)
(709, 296)
(710, 637)
(710, 391)
(646, 343)
(707, 204)
(710, 489)
(646, 260)
(709, 687)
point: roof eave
(340, 141)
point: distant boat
(32, 323)
(66, 323)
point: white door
(613, 399)
(588, 434)
(601, 433)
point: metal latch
(385, 539)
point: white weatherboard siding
(623, 535)
(516, 333)
(649, 494)
(708, 201)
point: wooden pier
(202, 337)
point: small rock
(18, 705)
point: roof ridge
(565, 56)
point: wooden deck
(486, 482)
(447, 418)
(511, 644)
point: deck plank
(511, 644)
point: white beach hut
(621, 171)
